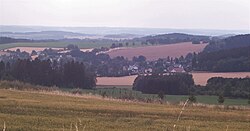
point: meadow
(61, 44)
(29, 110)
(126, 92)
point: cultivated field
(23, 110)
(83, 44)
(202, 77)
(159, 51)
(199, 78)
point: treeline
(228, 43)
(175, 84)
(174, 38)
(46, 73)
(228, 87)
(231, 60)
(183, 84)
(6, 40)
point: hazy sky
(203, 14)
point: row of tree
(183, 84)
(69, 75)
(228, 87)
(174, 84)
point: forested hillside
(228, 43)
(174, 38)
(232, 60)
(228, 55)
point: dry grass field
(159, 51)
(25, 110)
(200, 78)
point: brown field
(125, 80)
(159, 51)
(199, 78)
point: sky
(180, 14)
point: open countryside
(124, 65)
(200, 78)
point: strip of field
(199, 78)
(30, 49)
(159, 51)
(21, 110)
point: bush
(221, 99)
(192, 98)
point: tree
(120, 45)
(221, 99)
(33, 53)
(192, 98)
(72, 47)
(161, 95)
(113, 45)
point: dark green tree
(192, 98)
(221, 99)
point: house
(176, 69)
(148, 71)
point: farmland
(62, 44)
(200, 78)
(55, 44)
(159, 51)
(24, 110)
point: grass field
(123, 91)
(25, 111)
(84, 45)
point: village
(101, 63)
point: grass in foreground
(118, 91)
(24, 110)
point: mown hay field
(24, 110)
(159, 51)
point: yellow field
(23, 110)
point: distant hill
(55, 35)
(121, 36)
(173, 38)
(119, 30)
(228, 43)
